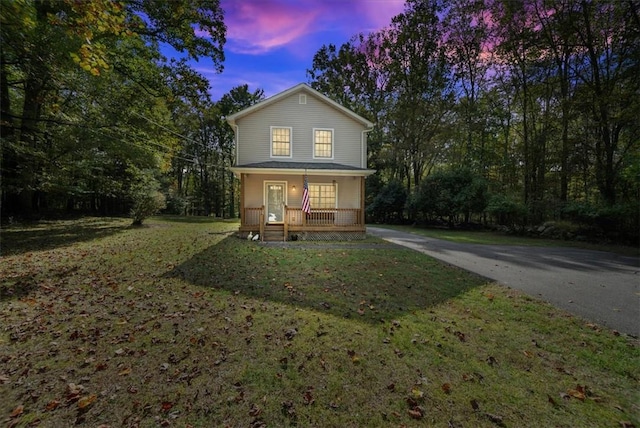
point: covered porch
(271, 204)
(345, 223)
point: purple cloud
(271, 43)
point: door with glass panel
(275, 197)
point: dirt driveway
(601, 287)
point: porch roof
(296, 168)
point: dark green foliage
(507, 211)
(449, 194)
(146, 198)
(389, 203)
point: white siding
(254, 132)
(348, 189)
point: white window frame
(314, 206)
(271, 129)
(313, 140)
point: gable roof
(301, 87)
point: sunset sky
(271, 43)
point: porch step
(273, 232)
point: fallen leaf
(474, 405)
(494, 418)
(417, 393)
(446, 388)
(52, 405)
(255, 410)
(86, 401)
(125, 372)
(416, 412)
(578, 393)
(166, 406)
(308, 397)
(17, 411)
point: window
(322, 196)
(280, 141)
(323, 143)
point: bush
(145, 197)
(175, 205)
(388, 205)
(506, 211)
(452, 193)
(146, 204)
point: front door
(275, 196)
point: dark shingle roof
(301, 165)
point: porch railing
(252, 216)
(335, 217)
(295, 217)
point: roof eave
(237, 170)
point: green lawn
(179, 323)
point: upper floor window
(323, 143)
(281, 141)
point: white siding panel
(254, 132)
(348, 189)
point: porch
(347, 223)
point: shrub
(389, 203)
(506, 211)
(146, 204)
(145, 197)
(452, 193)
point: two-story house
(302, 161)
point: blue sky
(271, 43)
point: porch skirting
(327, 235)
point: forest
(493, 112)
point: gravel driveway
(601, 287)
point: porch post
(362, 201)
(242, 213)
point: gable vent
(302, 99)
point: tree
(46, 44)
(452, 193)
(420, 82)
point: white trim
(313, 142)
(265, 198)
(237, 170)
(271, 128)
(302, 99)
(363, 147)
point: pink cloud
(378, 13)
(259, 26)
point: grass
(178, 323)
(497, 238)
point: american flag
(306, 205)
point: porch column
(362, 201)
(242, 213)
